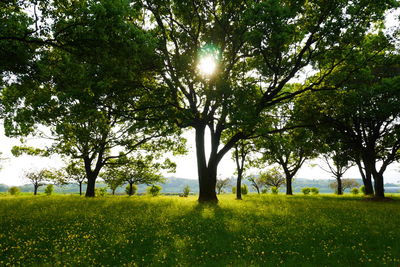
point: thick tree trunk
(379, 185)
(207, 174)
(289, 190)
(113, 191)
(130, 193)
(366, 178)
(35, 188)
(91, 183)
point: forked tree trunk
(207, 174)
(366, 178)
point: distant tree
(272, 177)
(346, 184)
(112, 179)
(154, 190)
(49, 189)
(131, 189)
(257, 182)
(244, 189)
(38, 178)
(14, 190)
(241, 153)
(75, 171)
(221, 184)
(186, 191)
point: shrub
(244, 189)
(274, 190)
(186, 191)
(355, 191)
(362, 190)
(314, 190)
(306, 190)
(233, 189)
(154, 190)
(101, 191)
(49, 189)
(264, 191)
(14, 190)
(134, 189)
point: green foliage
(49, 189)
(233, 189)
(101, 191)
(14, 190)
(274, 190)
(314, 190)
(264, 191)
(306, 190)
(128, 189)
(154, 190)
(244, 189)
(362, 190)
(186, 191)
(355, 191)
(272, 177)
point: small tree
(49, 189)
(14, 190)
(354, 191)
(39, 178)
(256, 182)
(154, 190)
(314, 190)
(362, 190)
(233, 189)
(186, 191)
(274, 190)
(131, 189)
(101, 191)
(221, 184)
(346, 184)
(75, 171)
(306, 190)
(273, 177)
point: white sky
(13, 168)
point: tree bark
(339, 185)
(207, 174)
(379, 185)
(91, 183)
(35, 188)
(130, 189)
(80, 188)
(366, 178)
(239, 185)
(289, 190)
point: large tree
(95, 90)
(226, 62)
(363, 110)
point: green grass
(171, 231)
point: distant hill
(175, 185)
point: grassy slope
(258, 231)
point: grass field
(171, 231)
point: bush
(274, 190)
(244, 189)
(314, 190)
(306, 190)
(264, 191)
(186, 191)
(233, 189)
(14, 190)
(154, 190)
(355, 191)
(362, 190)
(134, 189)
(49, 189)
(101, 191)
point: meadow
(261, 230)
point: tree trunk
(113, 191)
(35, 188)
(91, 183)
(366, 178)
(80, 188)
(289, 190)
(207, 174)
(130, 193)
(339, 185)
(379, 185)
(239, 185)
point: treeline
(113, 83)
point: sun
(207, 65)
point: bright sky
(13, 168)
